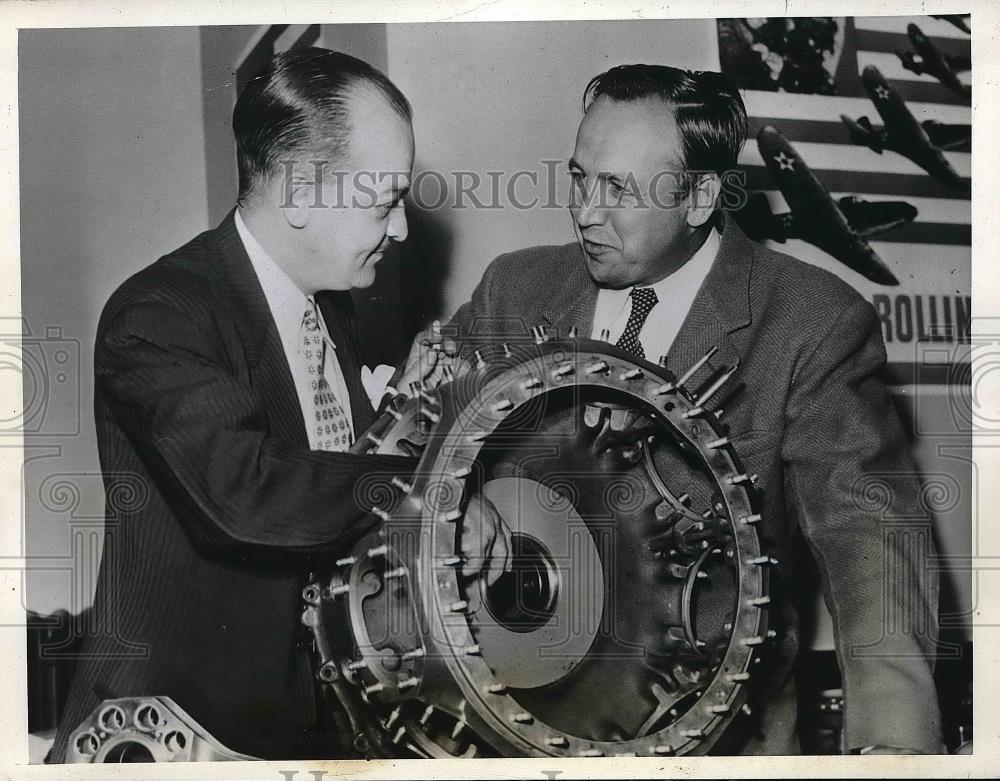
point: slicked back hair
(301, 103)
(708, 109)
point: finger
(471, 538)
(502, 559)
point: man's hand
(429, 354)
(485, 541)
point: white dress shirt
(288, 305)
(674, 295)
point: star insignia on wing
(785, 163)
(882, 92)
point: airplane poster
(859, 161)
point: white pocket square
(376, 382)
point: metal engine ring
(431, 664)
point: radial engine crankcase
(635, 607)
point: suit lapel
(241, 295)
(574, 303)
(719, 311)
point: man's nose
(398, 229)
(587, 211)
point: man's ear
(294, 192)
(702, 198)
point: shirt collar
(284, 298)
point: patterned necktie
(330, 426)
(643, 300)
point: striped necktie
(643, 300)
(329, 422)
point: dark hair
(300, 102)
(707, 106)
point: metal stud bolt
(402, 485)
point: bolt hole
(175, 741)
(112, 719)
(147, 718)
(87, 744)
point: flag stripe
(814, 130)
(953, 211)
(890, 67)
(878, 41)
(858, 158)
(782, 105)
(899, 185)
(933, 28)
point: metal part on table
(637, 602)
(144, 729)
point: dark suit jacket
(199, 592)
(815, 424)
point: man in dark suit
(660, 270)
(228, 387)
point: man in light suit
(660, 270)
(228, 387)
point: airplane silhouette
(929, 59)
(836, 227)
(956, 19)
(903, 134)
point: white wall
(504, 97)
(112, 176)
